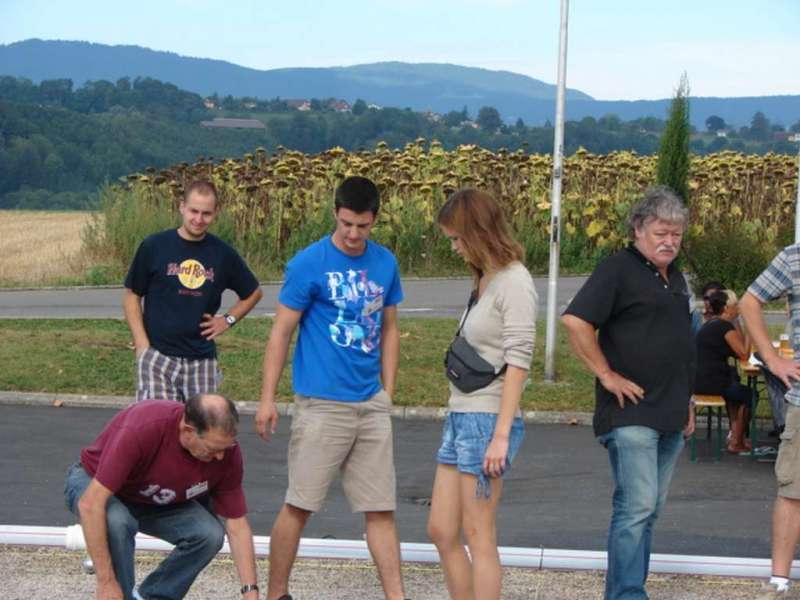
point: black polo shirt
(644, 331)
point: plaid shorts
(162, 377)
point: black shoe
(285, 597)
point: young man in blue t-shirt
(172, 293)
(343, 291)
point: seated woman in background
(720, 338)
(699, 317)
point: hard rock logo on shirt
(191, 273)
(360, 304)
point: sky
(617, 49)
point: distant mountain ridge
(417, 86)
(438, 87)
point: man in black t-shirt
(173, 290)
(630, 325)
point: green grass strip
(95, 356)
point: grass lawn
(94, 356)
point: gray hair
(659, 202)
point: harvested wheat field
(41, 247)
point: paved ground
(49, 573)
(423, 297)
(557, 495)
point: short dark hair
(211, 411)
(358, 194)
(711, 285)
(719, 300)
(202, 187)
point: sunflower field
(273, 205)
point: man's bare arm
(583, 339)
(132, 307)
(92, 510)
(240, 539)
(390, 349)
(784, 369)
(283, 326)
(213, 326)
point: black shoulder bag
(464, 367)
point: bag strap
(473, 298)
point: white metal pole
(555, 202)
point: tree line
(59, 142)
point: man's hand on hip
(213, 326)
(621, 388)
(785, 369)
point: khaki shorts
(787, 467)
(354, 438)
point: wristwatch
(250, 587)
(230, 319)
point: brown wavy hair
(478, 221)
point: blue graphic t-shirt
(338, 353)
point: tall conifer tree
(673, 154)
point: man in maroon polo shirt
(146, 472)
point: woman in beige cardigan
(484, 429)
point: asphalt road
(558, 494)
(424, 297)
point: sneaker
(769, 591)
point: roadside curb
(422, 413)
(410, 413)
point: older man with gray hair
(630, 324)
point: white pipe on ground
(71, 538)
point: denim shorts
(465, 439)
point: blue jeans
(196, 533)
(642, 462)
